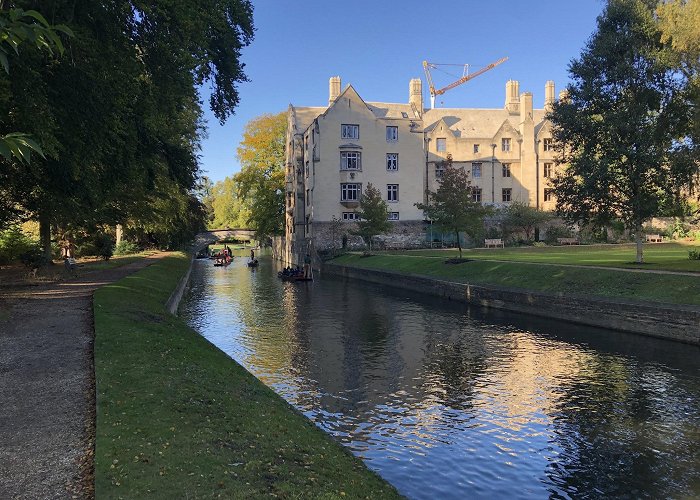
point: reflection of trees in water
(625, 430)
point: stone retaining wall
(672, 322)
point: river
(445, 400)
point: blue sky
(378, 46)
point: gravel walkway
(47, 386)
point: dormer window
(547, 144)
(505, 145)
(349, 131)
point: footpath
(47, 386)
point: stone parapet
(672, 322)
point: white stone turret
(548, 95)
(415, 94)
(512, 96)
(525, 106)
(333, 89)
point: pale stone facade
(333, 152)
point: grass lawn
(662, 256)
(177, 418)
(98, 263)
(674, 289)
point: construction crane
(465, 77)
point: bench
(568, 241)
(494, 242)
(654, 238)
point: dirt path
(47, 386)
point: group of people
(224, 256)
(293, 271)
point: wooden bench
(568, 241)
(494, 242)
(654, 238)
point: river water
(449, 401)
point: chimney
(333, 89)
(525, 106)
(415, 94)
(512, 96)
(548, 96)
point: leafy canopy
(622, 131)
(373, 215)
(452, 207)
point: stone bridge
(222, 234)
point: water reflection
(449, 401)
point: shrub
(14, 243)
(104, 246)
(555, 232)
(677, 230)
(539, 244)
(125, 248)
(32, 256)
(694, 254)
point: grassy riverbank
(658, 256)
(667, 288)
(177, 418)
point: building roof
(305, 115)
(392, 110)
(477, 123)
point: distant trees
(373, 215)
(452, 206)
(119, 121)
(261, 179)
(623, 129)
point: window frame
(476, 148)
(547, 144)
(505, 144)
(345, 128)
(476, 194)
(392, 216)
(344, 190)
(393, 128)
(479, 165)
(547, 170)
(548, 194)
(505, 170)
(505, 191)
(392, 189)
(344, 160)
(444, 144)
(349, 216)
(395, 161)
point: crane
(465, 77)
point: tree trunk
(45, 235)
(459, 244)
(638, 241)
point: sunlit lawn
(663, 256)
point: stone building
(334, 151)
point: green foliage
(260, 183)
(120, 120)
(694, 254)
(520, 217)
(452, 207)
(126, 248)
(677, 229)
(555, 232)
(104, 245)
(622, 128)
(373, 215)
(14, 243)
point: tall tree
(261, 179)
(120, 121)
(452, 207)
(373, 215)
(622, 130)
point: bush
(677, 230)
(33, 256)
(126, 248)
(13, 244)
(555, 232)
(694, 254)
(104, 246)
(539, 244)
